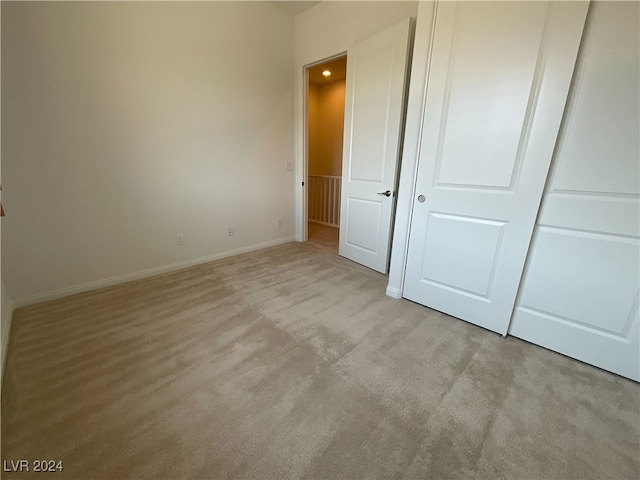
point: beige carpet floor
(292, 363)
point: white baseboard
(393, 292)
(107, 282)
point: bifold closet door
(579, 295)
(496, 90)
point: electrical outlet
(229, 231)
(288, 165)
(179, 239)
(279, 222)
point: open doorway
(325, 133)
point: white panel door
(374, 104)
(580, 291)
(496, 90)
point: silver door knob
(386, 193)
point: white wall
(323, 31)
(127, 123)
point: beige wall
(326, 128)
(6, 304)
(313, 127)
(5, 314)
(126, 123)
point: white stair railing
(324, 199)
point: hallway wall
(326, 128)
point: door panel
(454, 267)
(570, 272)
(371, 101)
(374, 103)
(580, 292)
(365, 219)
(498, 85)
(498, 82)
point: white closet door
(580, 291)
(496, 90)
(374, 104)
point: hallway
(323, 235)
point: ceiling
(294, 7)
(337, 67)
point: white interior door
(496, 90)
(580, 291)
(374, 105)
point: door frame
(304, 141)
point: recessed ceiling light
(326, 73)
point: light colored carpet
(292, 363)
